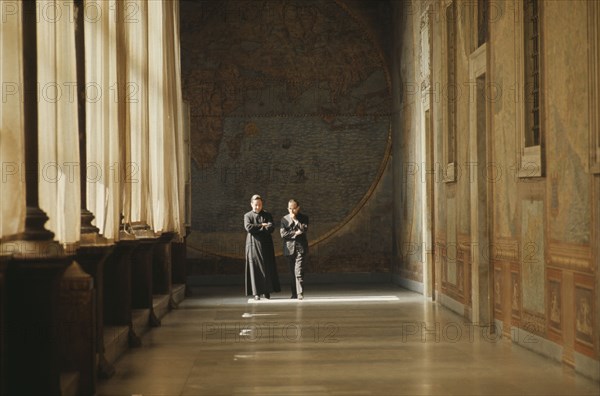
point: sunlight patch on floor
(324, 299)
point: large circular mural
(287, 99)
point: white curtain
(175, 126)
(165, 117)
(181, 136)
(104, 167)
(136, 205)
(134, 126)
(153, 116)
(58, 134)
(12, 182)
(134, 131)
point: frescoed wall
(289, 98)
(543, 229)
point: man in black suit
(294, 227)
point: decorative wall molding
(533, 322)
(585, 314)
(554, 305)
(464, 247)
(529, 158)
(449, 105)
(570, 256)
(425, 50)
(460, 254)
(594, 83)
(515, 294)
(504, 249)
(464, 268)
(498, 292)
(464, 255)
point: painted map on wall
(287, 99)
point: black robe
(261, 271)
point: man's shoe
(294, 296)
(257, 297)
(267, 296)
(300, 296)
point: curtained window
(12, 182)
(135, 149)
(58, 134)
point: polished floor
(341, 340)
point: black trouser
(295, 262)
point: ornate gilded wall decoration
(554, 206)
(516, 294)
(498, 290)
(555, 309)
(583, 318)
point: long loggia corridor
(352, 339)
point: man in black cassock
(261, 271)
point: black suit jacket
(292, 243)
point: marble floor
(341, 340)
